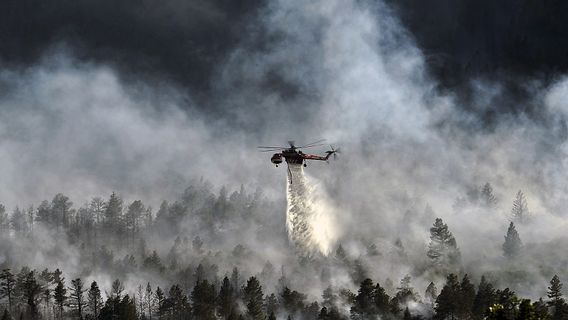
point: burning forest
(131, 186)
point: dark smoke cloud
(507, 44)
(178, 40)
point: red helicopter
(293, 154)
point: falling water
(309, 217)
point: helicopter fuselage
(292, 156)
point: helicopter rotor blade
(263, 147)
(309, 145)
(315, 145)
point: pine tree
(556, 301)
(19, 222)
(149, 300)
(61, 209)
(405, 291)
(30, 291)
(203, 300)
(513, 244)
(236, 281)
(340, 253)
(116, 289)
(113, 213)
(94, 299)
(443, 250)
(7, 286)
(484, 298)
(447, 303)
(520, 210)
(4, 221)
(487, 198)
(160, 301)
(364, 306)
(179, 304)
(271, 303)
(253, 298)
(60, 296)
(225, 299)
(381, 299)
(76, 296)
(466, 297)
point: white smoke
(310, 218)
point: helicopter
(293, 154)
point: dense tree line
(29, 294)
(118, 238)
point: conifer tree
(76, 296)
(520, 210)
(149, 300)
(443, 250)
(484, 298)
(160, 301)
(556, 301)
(116, 289)
(180, 308)
(487, 197)
(466, 297)
(4, 220)
(94, 299)
(447, 303)
(340, 253)
(60, 296)
(225, 299)
(253, 298)
(30, 291)
(236, 282)
(381, 299)
(203, 300)
(512, 245)
(113, 213)
(7, 286)
(364, 306)
(271, 303)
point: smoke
(309, 216)
(345, 70)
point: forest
(195, 259)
